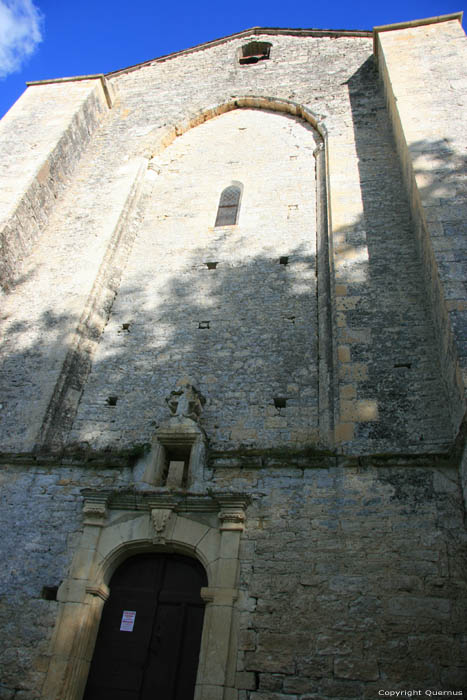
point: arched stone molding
(55, 431)
(151, 148)
(275, 104)
(117, 526)
(327, 389)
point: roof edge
(253, 31)
(95, 76)
(413, 23)
(333, 33)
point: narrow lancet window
(229, 206)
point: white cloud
(20, 33)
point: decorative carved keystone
(160, 518)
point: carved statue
(186, 401)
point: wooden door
(150, 633)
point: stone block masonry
(38, 154)
(351, 577)
(344, 615)
(311, 350)
(246, 330)
(428, 116)
(384, 398)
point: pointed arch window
(229, 206)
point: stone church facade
(234, 338)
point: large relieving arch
(150, 631)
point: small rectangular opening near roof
(253, 52)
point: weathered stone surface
(245, 681)
(400, 403)
(356, 669)
(351, 555)
(431, 158)
(300, 685)
(37, 156)
(271, 681)
(421, 607)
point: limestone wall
(41, 514)
(245, 331)
(351, 577)
(385, 393)
(350, 563)
(350, 573)
(58, 309)
(41, 139)
(422, 66)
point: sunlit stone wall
(385, 388)
(246, 331)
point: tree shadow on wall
(246, 333)
(403, 357)
(263, 338)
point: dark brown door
(150, 633)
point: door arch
(152, 650)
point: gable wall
(386, 394)
(348, 563)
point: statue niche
(179, 444)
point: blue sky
(42, 39)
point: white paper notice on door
(128, 621)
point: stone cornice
(252, 459)
(178, 502)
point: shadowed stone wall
(352, 576)
(428, 116)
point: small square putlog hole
(111, 400)
(49, 592)
(280, 402)
(211, 265)
(284, 260)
